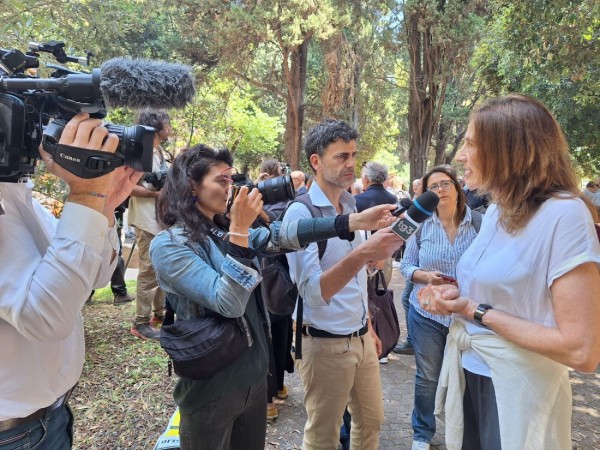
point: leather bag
(383, 312)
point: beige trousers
(149, 297)
(335, 373)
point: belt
(315, 332)
(9, 424)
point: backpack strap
(476, 218)
(418, 237)
(315, 211)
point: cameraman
(54, 265)
(149, 298)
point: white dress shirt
(48, 269)
(346, 311)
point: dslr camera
(273, 190)
(156, 179)
(35, 110)
(286, 168)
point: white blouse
(514, 273)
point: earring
(194, 199)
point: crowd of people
(502, 291)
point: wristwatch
(479, 313)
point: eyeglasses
(443, 185)
(227, 174)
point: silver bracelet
(231, 233)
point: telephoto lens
(273, 190)
(278, 189)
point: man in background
(374, 174)
(299, 180)
(150, 299)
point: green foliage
(145, 28)
(550, 50)
(358, 64)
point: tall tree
(550, 50)
(439, 35)
(236, 33)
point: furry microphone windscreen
(142, 83)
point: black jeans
(482, 429)
(234, 421)
(117, 282)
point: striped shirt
(436, 253)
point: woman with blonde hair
(527, 305)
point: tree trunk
(296, 84)
(461, 130)
(441, 142)
(422, 94)
(427, 82)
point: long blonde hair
(523, 156)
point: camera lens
(136, 145)
(278, 189)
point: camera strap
(83, 162)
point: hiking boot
(120, 299)
(405, 348)
(156, 320)
(145, 331)
(282, 394)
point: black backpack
(277, 287)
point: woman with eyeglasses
(207, 264)
(429, 257)
(527, 305)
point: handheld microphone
(421, 210)
(405, 203)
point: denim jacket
(198, 280)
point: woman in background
(432, 254)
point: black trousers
(482, 429)
(280, 353)
(117, 282)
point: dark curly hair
(176, 205)
(156, 119)
(327, 132)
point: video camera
(35, 110)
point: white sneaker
(383, 360)
(420, 445)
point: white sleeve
(43, 295)
(573, 239)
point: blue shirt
(436, 253)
